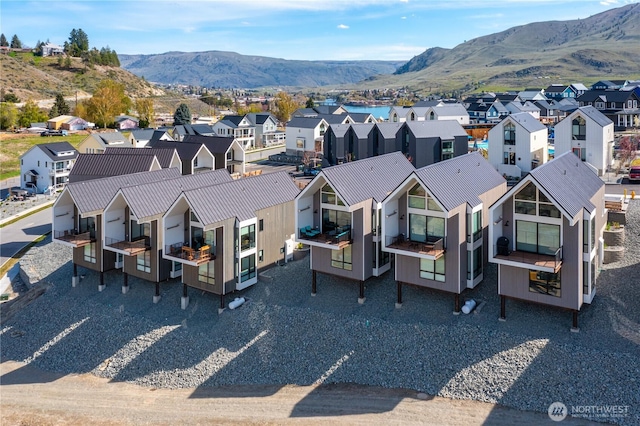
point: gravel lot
(282, 335)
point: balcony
(340, 236)
(433, 247)
(181, 251)
(59, 172)
(546, 262)
(130, 248)
(74, 238)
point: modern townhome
(305, 135)
(225, 234)
(47, 166)
(167, 157)
(132, 226)
(96, 166)
(444, 111)
(428, 142)
(180, 131)
(195, 157)
(435, 224)
(398, 114)
(348, 142)
(519, 107)
(545, 235)
(227, 152)
(518, 144)
(97, 143)
(77, 218)
(588, 134)
(238, 127)
(338, 215)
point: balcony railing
(55, 172)
(433, 246)
(340, 236)
(183, 251)
(132, 248)
(536, 260)
(79, 239)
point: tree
(78, 43)
(8, 115)
(3, 41)
(146, 115)
(60, 106)
(10, 97)
(285, 106)
(310, 103)
(182, 115)
(31, 113)
(15, 42)
(255, 107)
(108, 101)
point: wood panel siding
(278, 225)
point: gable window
(328, 196)
(395, 118)
(578, 129)
(544, 283)
(509, 134)
(300, 143)
(417, 197)
(447, 150)
(412, 117)
(529, 200)
(432, 116)
(322, 129)
(342, 258)
(432, 269)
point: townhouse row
(436, 227)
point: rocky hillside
(233, 70)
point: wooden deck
(533, 259)
(198, 256)
(329, 238)
(79, 240)
(436, 249)
(132, 248)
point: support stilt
(313, 282)
(75, 279)
(456, 304)
(125, 284)
(399, 291)
(221, 308)
(156, 297)
(101, 286)
(361, 299)
(575, 328)
(184, 302)
(503, 316)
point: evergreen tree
(182, 115)
(310, 103)
(78, 43)
(3, 41)
(60, 105)
(15, 42)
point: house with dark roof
(545, 236)
(338, 215)
(589, 134)
(305, 135)
(139, 138)
(238, 127)
(518, 144)
(178, 132)
(97, 143)
(550, 111)
(608, 84)
(96, 166)
(132, 226)
(559, 91)
(435, 224)
(431, 141)
(167, 157)
(487, 111)
(320, 109)
(519, 107)
(398, 114)
(225, 234)
(348, 142)
(77, 218)
(620, 106)
(47, 166)
(208, 152)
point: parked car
(54, 133)
(634, 174)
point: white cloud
(404, 17)
(343, 27)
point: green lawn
(12, 147)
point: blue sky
(290, 29)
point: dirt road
(33, 397)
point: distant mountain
(229, 69)
(603, 45)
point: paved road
(17, 235)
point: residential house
(589, 134)
(434, 222)
(348, 142)
(178, 132)
(67, 122)
(620, 106)
(167, 157)
(305, 135)
(126, 122)
(238, 127)
(546, 233)
(225, 234)
(195, 157)
(320, 109)
(398, 114)
(532, 95)
(47, 165)
(528, 107)
(132, 226)
(559, 91)
(266, 130)
(228, 153)
(386, 137)
(97, 143)
(50, 49)
(518, 144)
(487, 111)
(453, 111)
(139, 138)
(608, 85)
(96, 166)
(338, 216)
(77, 218)
(550, 112)
(428, 142)
(579, 89)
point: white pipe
(236, 303)
(469, 305)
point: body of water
(376, 110)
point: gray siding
(130, 262)
(279, 224)
(105, 260)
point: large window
(328, 196)
(447, 150)
(538, 238)
(247, 268)
(90, 253)
(88, 224)
(588, 234)
(143, 261)
(474, 263)
(342, 258)
(578, 129)
(247, 237)
(333, 219)
(432, 269)
(206, 273)
(544, 282)
(509, 134)
(140, 231)
(474, 226)
(421, 227)
(419, 199)
(529, 200)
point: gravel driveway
(282, 335)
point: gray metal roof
(372, 177)
(241, 198)
(569, 182)
(450, 110)
(142, 134)
(443, 129)
(526, 120)
(114, 138)
(94, 166)
(334, 118)
(389, 130)
(595, 115)
(149, 200)
(53, 149)
(215, 144)
(339, 130)
(460, 180)
(305, 122)
(94, 195)
(164, 155)
(362, 130)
